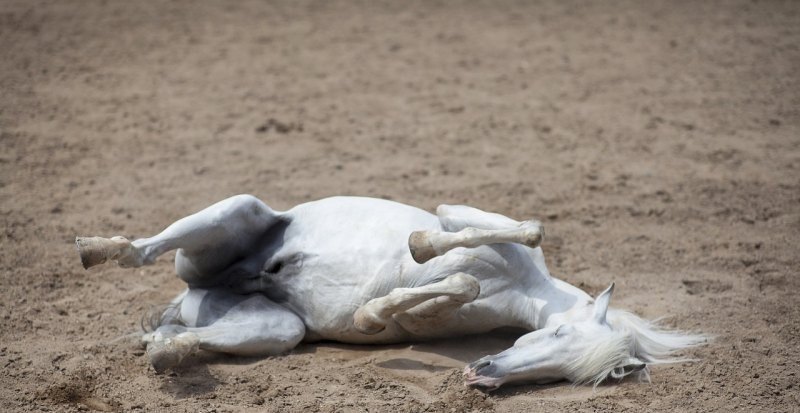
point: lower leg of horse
(458, 285)
(372, 316)
(221, 321)
(431, 316)
(425, 245)
(170, 345)
(223, 227)
(454, 218)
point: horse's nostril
(483, 367)
(476, 365)
(487, 368)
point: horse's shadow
(418, 356)
(403, 363)
(424, 355)
(189, 380)
(470, 348)
(510, 391)
(193, 378)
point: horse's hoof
(145, 340)
(533, 235)
(421, 248)
(93, 250)
(98, 250)
(168, 353)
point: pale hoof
(534, 234)
(97, 250)
(421, 248)
(168, 353)
(145, 340)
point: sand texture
(658, 142)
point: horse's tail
(160, 315)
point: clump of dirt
(280, 126)
(77, 390)
(456, 397)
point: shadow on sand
(193, 378)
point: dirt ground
(659, 142)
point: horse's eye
(557, 329)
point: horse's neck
(556, 302)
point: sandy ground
(658, 141)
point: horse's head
(587, 350)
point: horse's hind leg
(225, 322)
(209, 241)
(372, 317)
(454, 218)
(471, 227)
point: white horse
(361, 270)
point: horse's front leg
(225, 322)
(456, 289)
(209, 241)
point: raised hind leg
(226, 322)
(209, 241)
(471, 227)
(454, 218)
(372, 317)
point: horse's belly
(353, 250)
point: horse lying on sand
(362, 270)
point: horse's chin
(488, 384)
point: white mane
(633, 340)
(604, 355)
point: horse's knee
(466, 287)
(443, 210)
(242, 206)
(244, 201)
(367, 321)
(449, 217)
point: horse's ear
(601, 304)
(632, 365)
